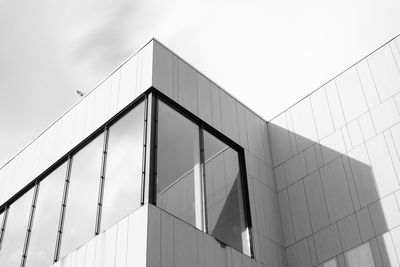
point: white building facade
(159, 166)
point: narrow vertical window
(15, 231)
(82, 198)
(45, 224)
(122, 186)
(226, 218)
(178, 165)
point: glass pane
(330, 263)
(360, 256)
(81, 209)
(124, 167)
(15, 231)
(225, 208)
(178, 165)
(45, 224)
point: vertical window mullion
(203, 181)
(102, 181)
(62, 212)
(3, 225)
(29, 228)
(144, 152)
(151, 154)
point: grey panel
(335, 105)
(241, 114)
(295, 168)
(322, 114)
(385, 115)
(215, 107)
(154, 237)
(363, 175)
(381, 162)
(255, 134)
(303, 124)
(163, 69)
(367, 83)
(229, 116)
(327, 243)
(349, 88)
(349, 232)
(187, 87)
(185, 245)
(336, 190)
(279, 137)
(299, 209)
(204, 98)
(365, 224)
(214, 253)
(385, 72)
(298, 254)
(122, 239)
(316, 201)
(287, 225)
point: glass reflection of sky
(14, 235)
(80, 216)
(122, 186)
(45, 223)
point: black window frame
(203, 126)
(149, 161)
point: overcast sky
(268, 54)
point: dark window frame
(149, 162)
(203, 126)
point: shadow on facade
(348, 186)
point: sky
(268, 54)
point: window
(225, 208)
(82, 197)
(177, 159)
(45, 224)
(360, 256)
(122, 186)
(198, 179)
(15, 230)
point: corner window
(198, 179)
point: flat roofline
(73, 105)
(219, 87)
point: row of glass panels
(198, 180)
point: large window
(82, 197)
(47, 213)
(178, 165)
(122, 186)
(224, 196)
(198, 179)
(15, 231)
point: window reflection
(225, 207)
(122, 186)
(82, 199)
(360, 256)
(177, 165)
(15, 231)
(45, 224)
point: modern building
(159, 166)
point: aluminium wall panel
(385, 72)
